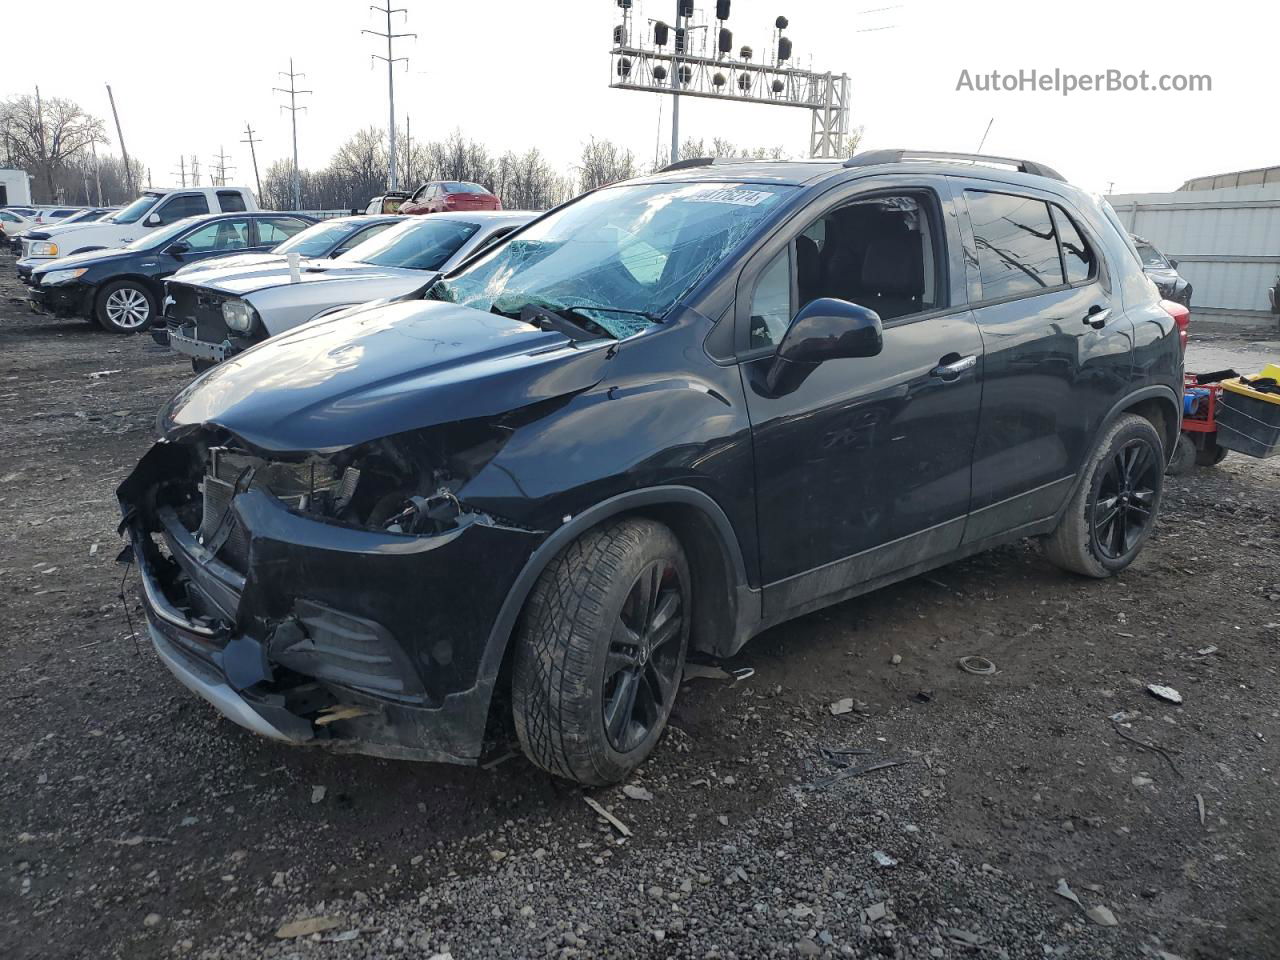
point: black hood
(334, 383)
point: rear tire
(1211, 455)
(1185, 457)
(124, 306)
(600, 652)
(1114, 507)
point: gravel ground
(135, 823)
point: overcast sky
(514, 74)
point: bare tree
(853, 139)
(44, 134)
(603, 161)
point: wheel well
(714, 596)
(714, 588)
(1163, 417)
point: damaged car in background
(215, 314)
(658, 420)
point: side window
(219, 236)
(881, 253)
(278, 230)
(231, 201)
(492, 238)
(182, 206)
(1017, 247)
(771, 302)
(1077, 258)
(359, 237)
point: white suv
(155, 208)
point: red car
(437, 196)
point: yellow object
(1236, 386)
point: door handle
(1097, 316)
(951, 369)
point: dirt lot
(135, 823)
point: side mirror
(1173, 263)
(153, 220)
(824, 329)
(177, 248)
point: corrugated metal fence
(1226, 242)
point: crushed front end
(340, 599)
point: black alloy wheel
(643, 665)
(1125, 503)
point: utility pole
(97, 170)
(675, 82)
(408, 152)
(293, 109)
(253, 153)
(182, 172)
(195, 170)
(391, 84)
(222, 168)
(128, 170)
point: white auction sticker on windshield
(735, 195)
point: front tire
(1112, 511)
(600, 652)
(124, 306)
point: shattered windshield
(621, 257)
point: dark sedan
(1163, 272)
(121, 289)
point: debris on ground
(598, 807)
(883, 859)
(978, 665)
(635, 792)
(850, 772)
(1164, 693)
(1102, 916)
(1067, 893)
(1200, 807)
(317, 794)
(305, 928)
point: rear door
(1058, 349)
(864, 469)
(272, 231)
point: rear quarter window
(1017, 245)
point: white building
(15, 188)
(1224, 231)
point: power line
(293, 109)
(254, 154)
(391, 61)
(221, 176)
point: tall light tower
(391, 60)
(666, 62)
(293, 109)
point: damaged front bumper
(317, 633)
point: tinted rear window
(463, 188)
(1017, 247)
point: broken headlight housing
(238, 316)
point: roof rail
(873, 157)
(690, 162)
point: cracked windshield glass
(619, 258)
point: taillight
(450, 199)
(1181, 316)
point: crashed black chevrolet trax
(655, 421)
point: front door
(864, 469)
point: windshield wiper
(578, 308)
(544, 318)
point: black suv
(657, 420)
